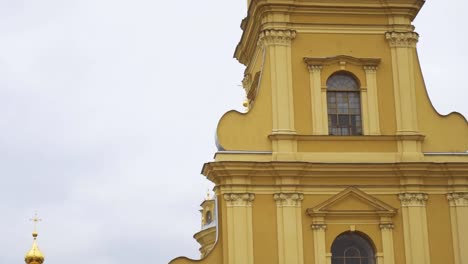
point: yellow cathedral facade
(340, 158)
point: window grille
(344, 105)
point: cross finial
(35, 219)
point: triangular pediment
(352, 201)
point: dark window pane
(352, 252)
(351, 247)
(352, 261)
(343, 120)
(343, 99)
(342, 81)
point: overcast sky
(108, 110)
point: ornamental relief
(402, 39)
(288, 199)
(413, 199)
(386, 226)
(318, 227)
(458, 199)
(239, 199)
(276, 37)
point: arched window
(344, 105)
(208, 218)
(352, 248)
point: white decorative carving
(370, 68)
(239, 199)
(315, 68)
(288, 199)
(402, 39)
(413, 199)
(458, 198)
(319, 227)
(386, 226)
(276, 37)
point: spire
(34, 256)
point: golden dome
(34, 256)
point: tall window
(208, 218)
(344, 105)
(352, 248)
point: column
(458, 202)
(403, 51)
(289, 226)
(402, 46)
(415, 227)
(321, 256)
(239, 225)
(370, 94)
(318, 106)
(277, 43)
(386, 230)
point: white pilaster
(289, 226)
(388, 257)
(415, 227)
(458, 202)
(239, 225)
(321, 256)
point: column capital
(319, 227)
(413, 199)
(402, 39)
(458, 199)
(239, 199)
(386, 226)
(288, 199)
(282, 37)
(370, 68)
(315, 68)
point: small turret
(34, 256)
(207, 236)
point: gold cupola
(34, 256)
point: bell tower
(340, 155)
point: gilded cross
(35, 219)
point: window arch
(344, 105)
(208, 217)
(352, 248)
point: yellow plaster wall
(329, 45)
(447, 133)
(249, 131)
(440, 234)
(309, 202)
(264, 230)
(398, 235)
(338, 19)
(362, 145)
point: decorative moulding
(402, 39)
(239, 199)
(342, 60)
(413, 199)
(276, 37)
(288, 199)
(369, 205)
(458, 199)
